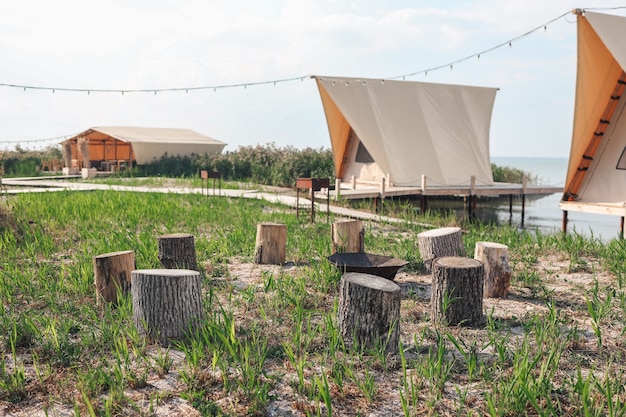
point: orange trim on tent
(599, 85)
(338, 128)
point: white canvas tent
(596, 174)
(140, 145)
(404, 130)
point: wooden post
(112, 274)
(177, 251)
(271, 243)
(337, 189)
(167, 303)
(495, 259)
(445, 241)
(524, 190)
(564, 224)
(457, 291)
(348, 236)
(369, 312)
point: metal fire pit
(368, 263)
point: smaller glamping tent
(402, 130)
(108, 148)
(596, 173)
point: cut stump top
(175, 235)
(111, 254)
(492, 245)
(167, 272)
(458, 262)
(371, 281)
(442, 231)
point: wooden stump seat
(444, 241)
(271, 244)
(348, 236)
(112, 273)
(167, 303)
(495, 258)
(177, 251)
(457, 291)
(369, 311)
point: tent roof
(151, 143)
(133, 134)
(412, 128)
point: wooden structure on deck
(113, 148)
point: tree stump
(495, 259)
(167, 303)
(369, 311)
(445, 241)
(112, 274)
(348, 236)
(177, 251)
(457, 291)
(271, 243)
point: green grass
(279, 340)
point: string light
(284, 80)
(21, 141)
(493, 48)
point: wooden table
(313, 184)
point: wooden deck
(497, 189)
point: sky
(163, 44)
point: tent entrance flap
(359, 163)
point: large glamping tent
(596, 174)
(110, 147)
(401, 130)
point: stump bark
(271, 243)
(369, 312)
(167, 303)
(348, 236)
(495, 259)
(177, 251)
(457, 291)
(112, 273)
(445, 241)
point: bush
(23, 163)
(510, 174)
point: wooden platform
(497, 189)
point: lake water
(544, 213)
